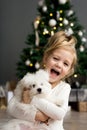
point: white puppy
(37, 84)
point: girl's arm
(50, 109)
(40, 116)
(22, 110)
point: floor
(73, 121)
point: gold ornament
(61, 11)
(44, 66)
(51, 14)
(31, 65)
(60, 18)
(75, 75)
(71, 24)
(61, 24)
(54, 28)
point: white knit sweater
(56, 113)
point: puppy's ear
(42, 74)
(26, 79)
(18, 90)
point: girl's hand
(25, 96)
(41, 117)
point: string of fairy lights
(55, 24)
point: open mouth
(54, 72)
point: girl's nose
(59, 64)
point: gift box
(82, 106)
(2, 98)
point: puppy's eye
(33, 85)
(41, 84)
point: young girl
(59, 60)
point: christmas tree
(53, 16)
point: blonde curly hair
(62, 40)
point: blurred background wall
(16, 17)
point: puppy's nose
(39, 90)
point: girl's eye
(66, 64)
(55, 58)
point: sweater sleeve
(51, 109)
(21, 110)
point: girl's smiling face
(58, 65)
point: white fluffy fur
(37, 83)
(33, 82)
